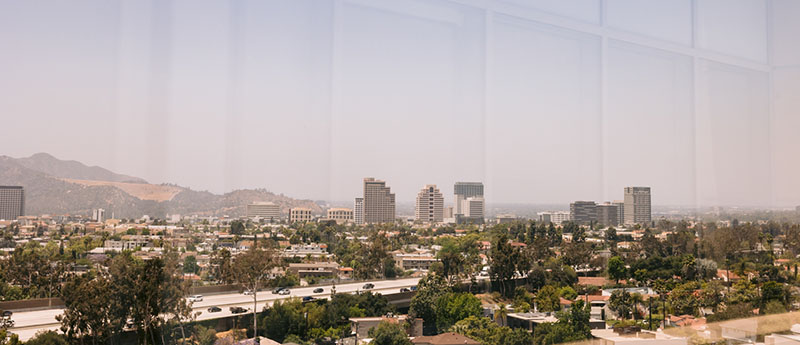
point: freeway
(27, 323)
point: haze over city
(307, 98)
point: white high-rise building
(98, 215)
(358, 211)
(430, 205)
(637, 205)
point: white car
(248, 292)
(195, 298)
(284, 292)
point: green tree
(386, 333)
(683, 300)
(429, 289)
(237, 227)
(251, 269)
(454, 307)
(190, 265)
(47, 338)
(503, 264)
(620, 302)
(205, 336)
(221, 266)
(617, 269)
(548, 299)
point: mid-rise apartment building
(464, 190)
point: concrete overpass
(27, 323)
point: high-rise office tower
(583, 212)
(473, 207)
(358, 211)
(12, 202)
(620, 211)
(379, 203)
(637, 205)
(607, 214)
(464, 190)
(430, 205)
(98, 215)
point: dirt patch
(143, 191)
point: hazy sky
(307, 97)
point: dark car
(318, 290)
(238, 310)
(368, 286)
(413, 288)
(405, 290)
(214, 309)
(308, 299)
(7, 313)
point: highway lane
(27, 323)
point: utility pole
(650, 310)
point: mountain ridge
(54, 186)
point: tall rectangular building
(553, 217)
(620, 211)
(637, 205)
(607, 214)
(12, 202)
(583, 212)
(430, 205)
(464, 190)
(358, 211)
(379, 203)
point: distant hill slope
(55, 167)
(70, 187)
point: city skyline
(305, 98)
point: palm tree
(636, 301)
(501, 314)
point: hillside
(54, 186)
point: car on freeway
(319, 290)
(308, 299)
(284, 291)
(195, 298)
(413, 288)
(214, 309)
(248, 292)
(7, 314)
(368, 286)
(405, 290)
(238, 310)
(277, 290)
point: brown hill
(69, 187)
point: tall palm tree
(501, 314)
